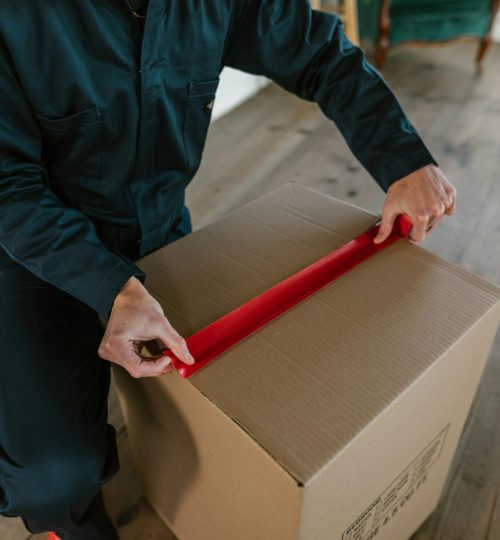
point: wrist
(130, 288)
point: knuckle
(136, 374)
(157, 305)
(436, 209)
(422, 218)
(179, 340)
(387, 206)
(104, 349)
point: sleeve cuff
(403, 167)
(112, 284)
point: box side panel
(387, 481)
(205, 476)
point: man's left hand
(425, 196)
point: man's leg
(56, 448)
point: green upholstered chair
(388, 23)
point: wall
(496, 29)
(235, 87)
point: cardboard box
(338, 420)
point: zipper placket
(141, 34)
(141, 96)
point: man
(104, 112)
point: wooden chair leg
(483, 48)
(382, 45)
(381, 51)
(486, 41)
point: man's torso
(123, 116)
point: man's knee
(54, 491)
(56, 488)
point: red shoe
(52, 536)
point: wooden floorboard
(277, 138)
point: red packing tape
(222, 334)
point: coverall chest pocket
(200, 104)
(72, 144)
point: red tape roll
(216, 338)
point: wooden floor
(276, 138)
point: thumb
(176, 343)
(386, 225)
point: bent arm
(56, 243)
(307, 53)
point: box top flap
(369, 334)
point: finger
(438, 213)
(432, 225)
(420, 224)
(144, 367)
(107, 348)
(154, 368)
(168, 369)
(386, 225)
(176, 343)
(450, 199)
(452, 207)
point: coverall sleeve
(307, 53)
(56, 243)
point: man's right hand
(136, 317)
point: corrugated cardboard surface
(206, 274)
(390, 476)
(302, 386)
(203, 475)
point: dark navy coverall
(101, 130)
